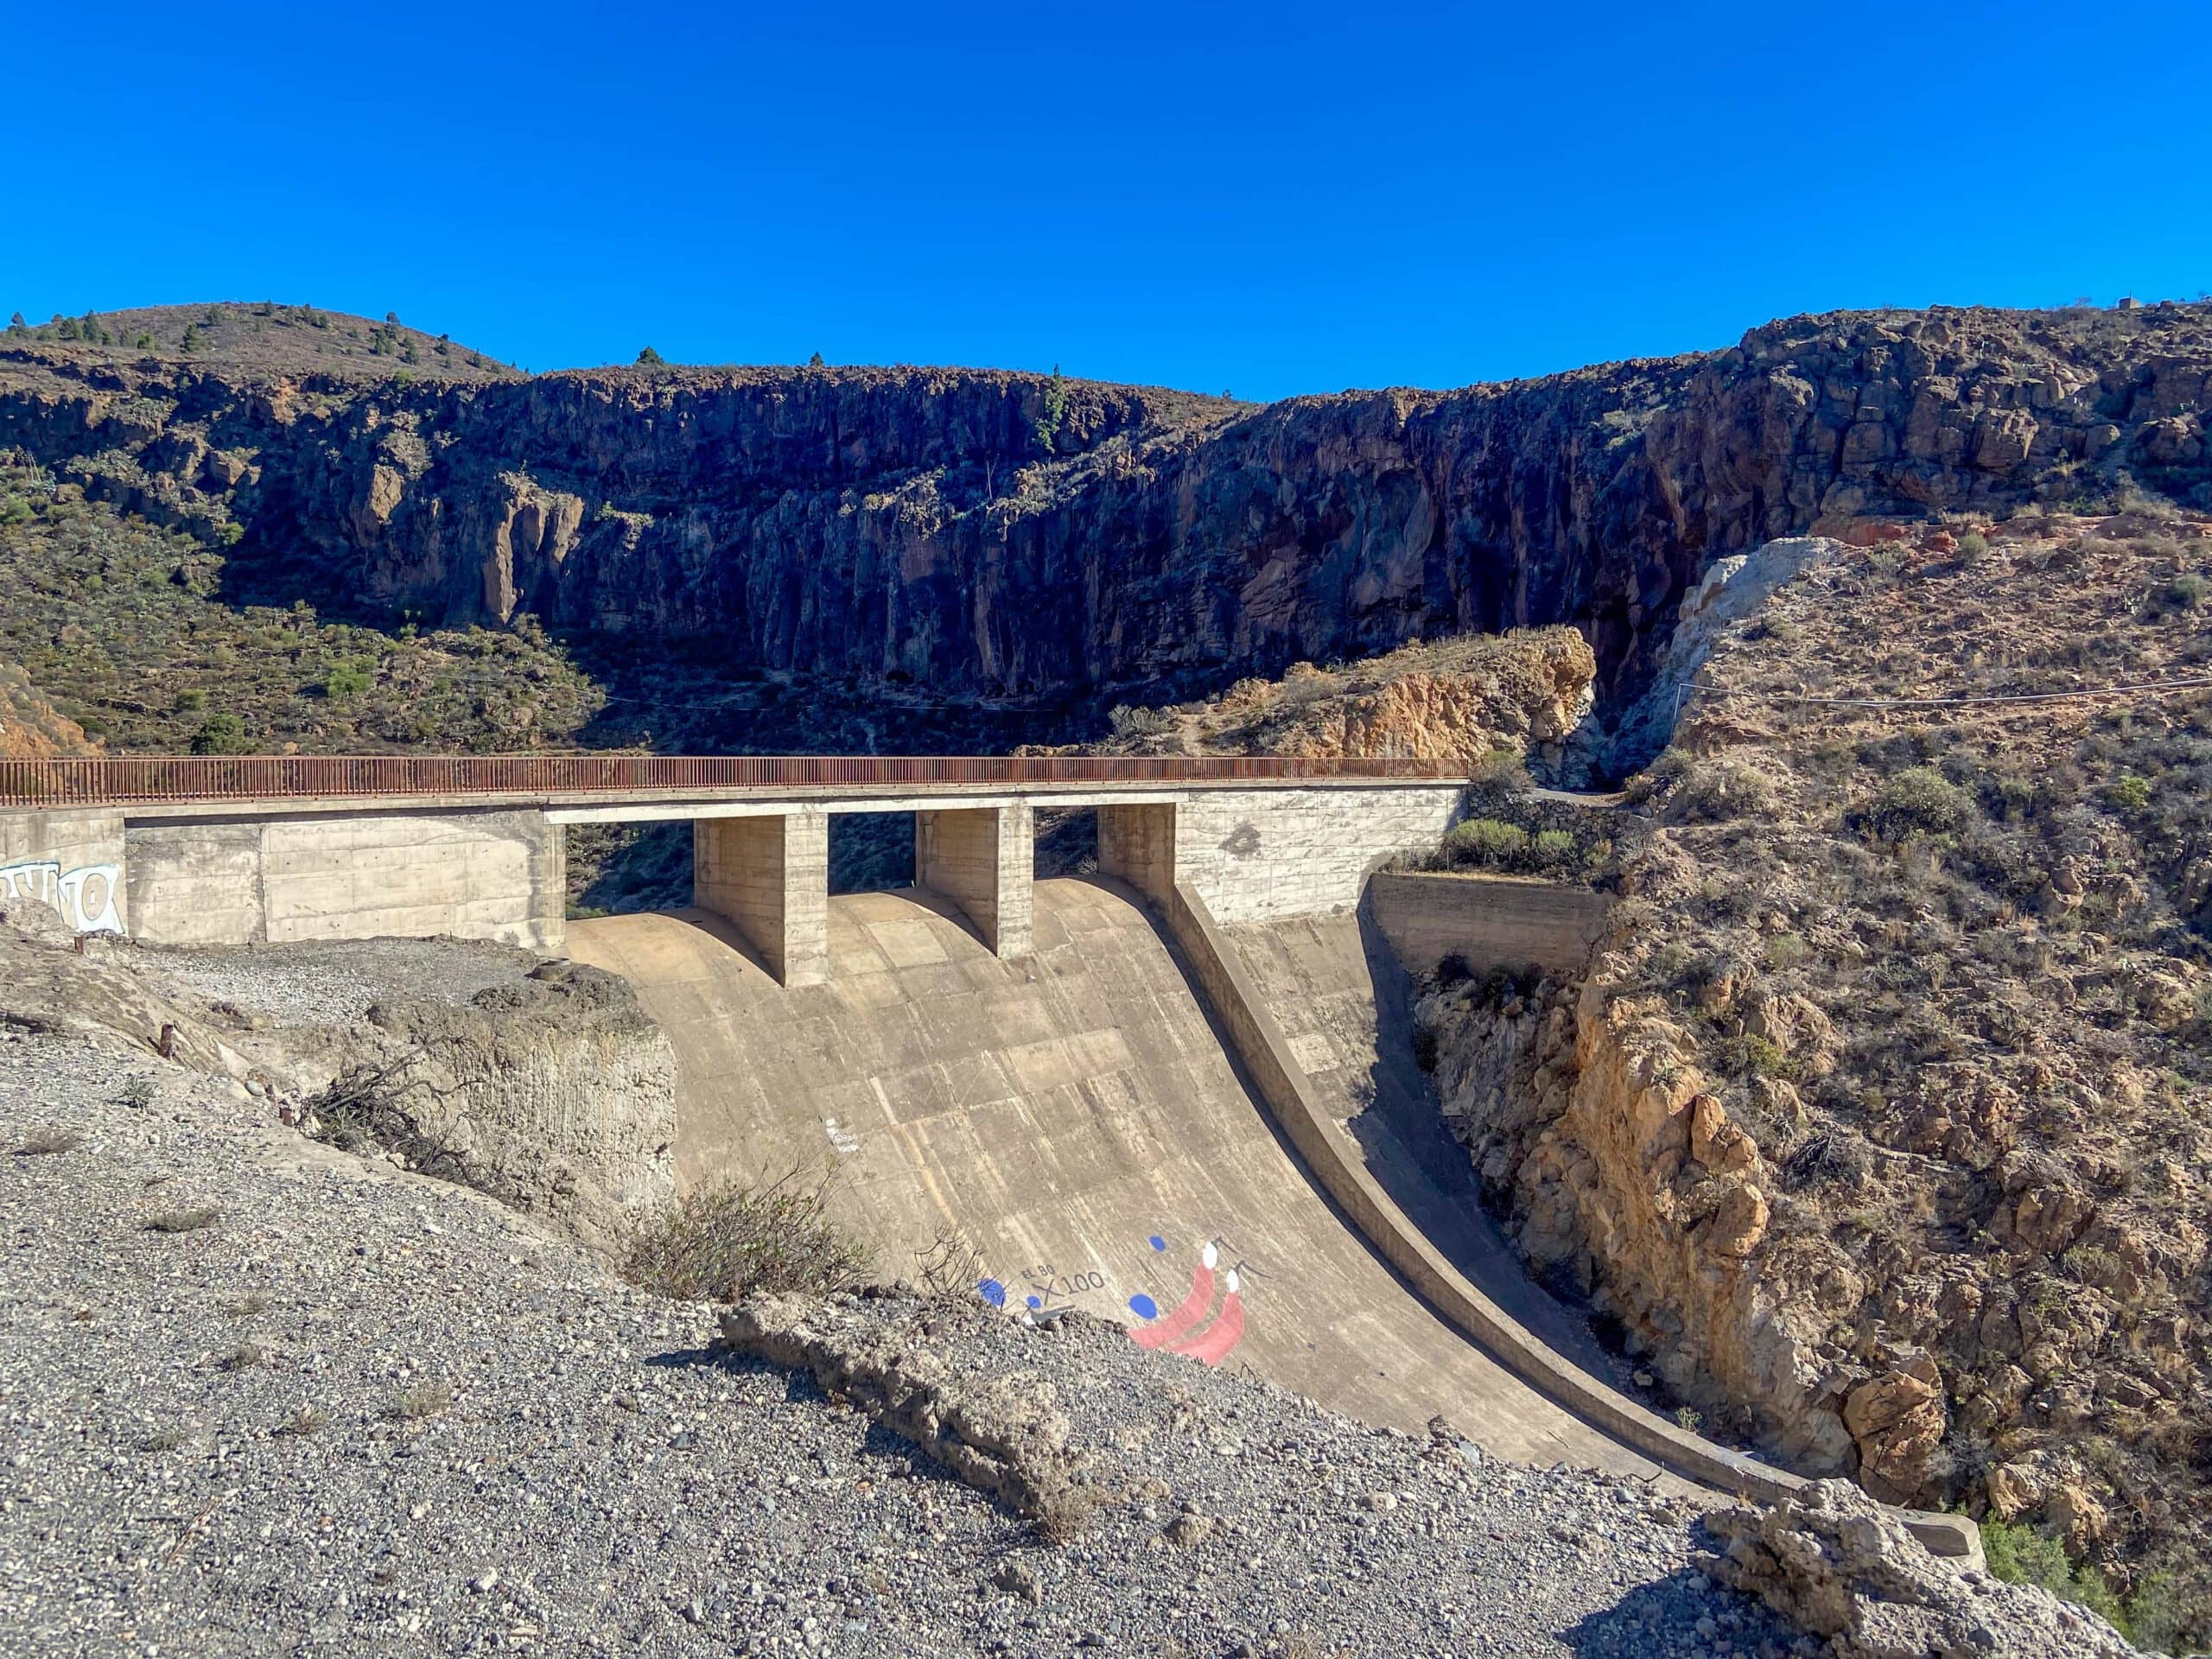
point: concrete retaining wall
(1338, 1164)
(72, 862)
(469, 875)
(1493, 921)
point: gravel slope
(209, 1450)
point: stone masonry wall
(1262, 855)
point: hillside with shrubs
(1881, 1130)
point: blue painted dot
(1143, 1307)
(993, 1291)
(1035, 1301)
(1158, 1243)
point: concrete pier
(984, 859)
(770, 877)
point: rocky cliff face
(1002, 533)
(1466, 699)
(30, 727)
(1880, 1123)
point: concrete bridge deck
(217, 850)
(166, 786)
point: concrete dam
(1073, 1128)
(1179, 1095)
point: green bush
(1487, 842)
(2131, 793)
(2020, 1555)
(221, 734)
(1552, 848)
(346, 682)
(1752, 1057)
(1920, 800)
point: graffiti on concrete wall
(1184, 1329)
(85, 894)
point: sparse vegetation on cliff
(1486, 700)
(125, 628)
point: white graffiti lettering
(85, 895)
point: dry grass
(244, 1358)
(722, 1242)
(46, 1142)
(183, 1221)
(431, 1397)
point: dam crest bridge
(235, 849)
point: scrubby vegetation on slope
(1464, 698)
(120, 623)
(1884, 1125)
(258, 334)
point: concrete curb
(1335, 1160)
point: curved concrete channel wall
(1073, 1124)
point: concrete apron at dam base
(1069, 1130)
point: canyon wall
(985, 532)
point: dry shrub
(718, 1242)
(183, 1221)
(1719, 791)
(41, 1143)
(433, 1397)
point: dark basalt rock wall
(990, 533)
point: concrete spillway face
(1074, 1120)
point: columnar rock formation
(995, 532)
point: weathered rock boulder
(1835, 1563)
(1002, 1433)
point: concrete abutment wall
(499, 875)
(72, 862)
(1488, 921)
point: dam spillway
(1075, 1121)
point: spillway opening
(618, 869)
(871, 852)
(1067, 841)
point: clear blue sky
(1261, 198)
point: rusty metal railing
(122, 781)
